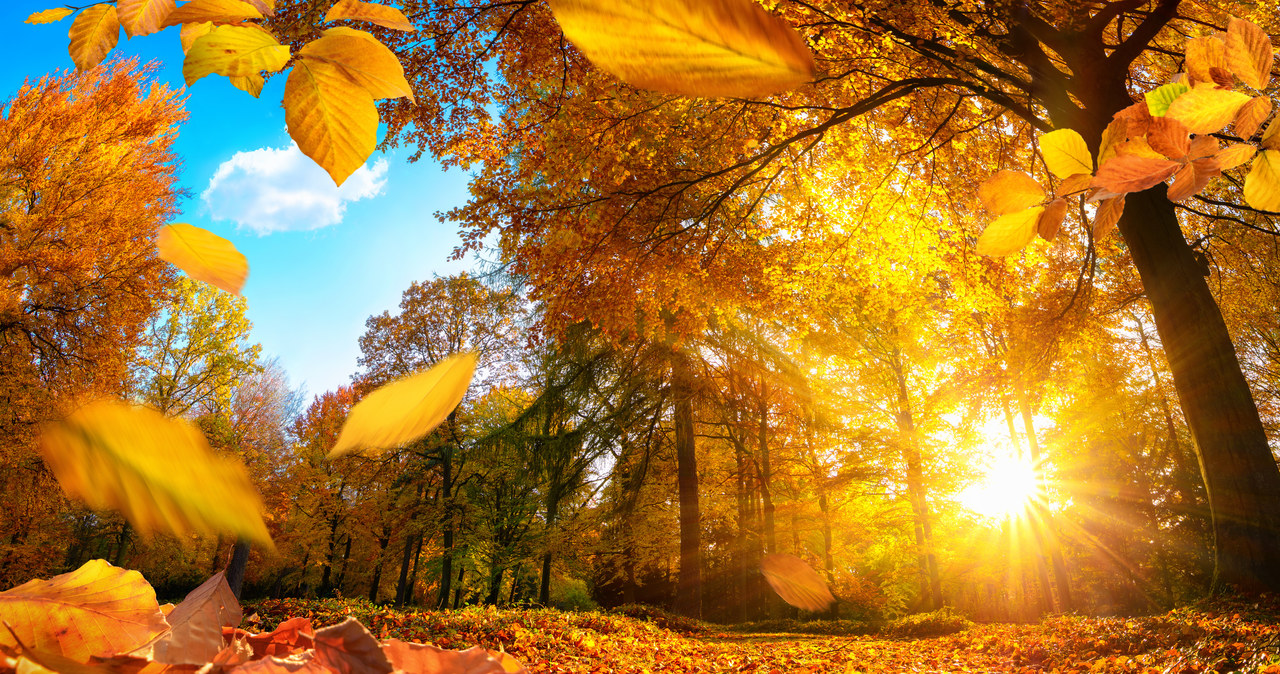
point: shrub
(571, 594)
(945, 620)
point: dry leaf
(50, 15)
(1009, 191)
(1169, 137)
(1108, 215)
(1075, 184)
(363, 58)
(1251, 116)
(1193, 177)
(93, 34)
(143, 17)
(204, 255)
(1249, 53)
(1203, 54)
(1134, 173)
(1203, 146)
(1206, 108)
(379, 15)
(218, 11)
(1235, 155)
(1262, 185)
(233, 51)
(331, 117)
(796, 582)
(409, 657)
(1051, 219)
(1010, 233)
(195, 626)
(348, 648)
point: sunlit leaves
(204, 255)
(407, 409)
(1206, 108)
(1134, 173)
(1235, 155)
(1065, 153)
(50, 15)
(94, 33)
(1262, 186)
(1009, 191)
(195, 626)
(1203, 55)
(1010, 233)
(143, 17)
(218, 11)
(1051, 219)
(1109, 212)
(1159, 99)
(1193, 177)
(331, 117)
(160, 473)
(1251, 116)
(362, 58)
(233, 51)
(380, 15)
(1169, 137)
(94, 610)
(1249, 53)
(690, 47)
(796, 582)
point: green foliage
(932, 624)
(571, 594)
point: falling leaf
(195, 633)
(361, 57)
(409, 657)
(380, 15)
(1206, 108)
(1108, 215)
(1169, 137)
(233, 51)
(143, 17)
(1193, 177)
(408, 409)
(160, 473)
(1051, 219)
(349, 648)
(1262, 186)
(1235, 155)
(689, 47)
(1249, 53)
(205, 256)
(1065, 153)
(1160, 98)
(1134, 173)
(1009, 191)
(1204, 54)
(93, 34)
(796, 582)
(98, 609)
(1009, 233)
(217, 11)
(50, 15)
(1251, 116)
(331, 117)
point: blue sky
(320, 265)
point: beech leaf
(233, 51)
(689, 47)
(1204, 54)
(93, 34)
(1235, 155)
(1051, 219)
(1169, 137)
(362, 58)
(1192, 178)
(1262, 185)
(195, 633)
(159, 472)
(50, 15)
(217, 11)
(1251, 116)
(408, 657)
(1108, 215)
(1072, 185)
(143, 17)
(191, 32)
(1206, 108)
(98, 609)
(1065, 153)
(1203, 146)
(330, 116)
(379, 15)
(795, 581)
(1009, 191)
(205, 256)
(349, 648)
(250, 84)
(1134, 173)
(407, 409)
(1010, 233)
(1159, 99)
(1249, 53)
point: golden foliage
(233, 51)
(1065, 153)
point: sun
(1008, 488)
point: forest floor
(1215, 637)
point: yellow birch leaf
(191, 32)
(1262, 186)
(98, 609)
(379, 15)
(1159, 99)
(233, 51)
(143, 17)
(407, 409)
(331, 117)
(689, 47)
(364, 59)
(1009, 191)
(1251, 116)
(1108, 215)
(796, 582)
(159, 473)
(1065, 153)
(1203, 55)
(50, 15)
(1235, 155)
(205, 256)
(93, 34)
(217, 11)
(1051, 220)
(1009, 233)
(1206, 108)
(1249, 53)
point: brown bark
(689, 582)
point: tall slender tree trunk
(383, 540)
(689, 583)
(766, 472)
(1044, 521)
(346, 558)
(446, 528)
(930, 579)
(553, 512)
(236, 569)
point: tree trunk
(236, 569)
(346, 557)
(766, 472)
(553, 512)
(930, 580)
(446, 528)
(383, 540)
(689, 583)
(403, 584)
(1044, 521)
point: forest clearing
(881, 336)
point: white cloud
(282, 190)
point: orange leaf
(1192, 178)
(1203, 146)
(1133, 173)
(1108, 215)
(1051, 219)
(409, 657)
(143, 17)
(1075, 184)
(1249, 53)
(1203, 54)
(217, 11)
(796, 582)
(205, 256)
(195, 633)
(1169, 137)
(1251, 116)
(1235, 155)
(1009, 191)
(379, 15)
(348, 647)
(93, 34)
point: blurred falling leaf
(195, 632)
(205, 256)
(98, 609)
(160, 473)
(796, 582)
(689, 47)
(408, 409)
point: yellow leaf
(1065, 153)
(1204, 54)
(93, 34)
(331, 117)
(217, 11)
(1072, 185)
(380, 15)
(1009, 233)
(1160, 98)
(1249, 53)
(159, 473)
(362, 58)
(796, 582)
(689, 47)
(1251, 116)
(407, 409)
(1262, 186)
(1206, 108)
(97, 609)
(191, 32)
(143, 17)
(1235, 155)
(50, 15)
(205, 256)
(1009, 191)
(250, 84)
(234, 51)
